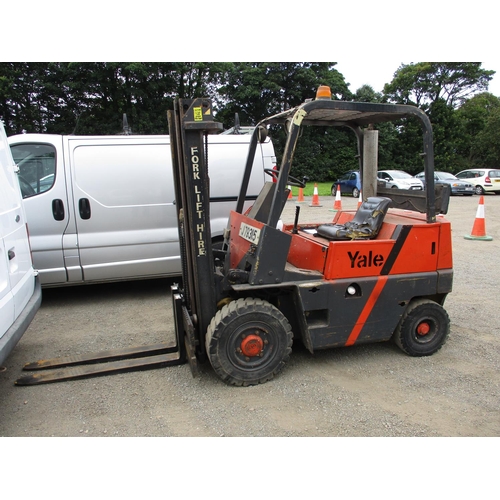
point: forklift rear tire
(423, 329)
(248, 342)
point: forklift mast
(190, 122)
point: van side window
(37, 167)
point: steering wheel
(292, 181)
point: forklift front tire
(423, 329)
(248, 342)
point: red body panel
(400, 263)
(426, 248)
(238, 245)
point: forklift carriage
(373, 275)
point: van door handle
(58, 209)
(11, 254)
(84, 206)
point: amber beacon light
(323, 92)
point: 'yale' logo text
(365, 260)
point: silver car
(458, 186)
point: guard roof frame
(333, 113)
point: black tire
(479, 190)
(423, 329)
(262, 355)
(334, 189)
(355, 192)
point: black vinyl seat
(364, 226)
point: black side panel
(330, 314)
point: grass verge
(324, 189)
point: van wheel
(423, 329)
(248, 342)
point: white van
(20, 292)
(102, 208)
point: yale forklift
(381, 272)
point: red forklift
(381, 272)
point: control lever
(296, 221)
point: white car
(398, 179)
(20, 292)
(484, 180)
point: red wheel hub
(252, 345)
(424, 328)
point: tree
(24, 98)
(425, 83)
(487, 146)
(478, 118)
(439, 89)
(91, 98)
(257, 90)
(365, 93)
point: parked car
(484, 180)
(350, 183)
(20, 292)
(399, 180)
(458, 186)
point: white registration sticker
(250, 233)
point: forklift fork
(119, 360)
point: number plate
(250, 233)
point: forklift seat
(364, 226)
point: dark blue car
(350, 183)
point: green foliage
(91, 98)
(257, 90)
(366, 94)
(444, 91)
(426, 82)
(479, 131)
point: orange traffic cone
(338, 200)
(315, 201)
(290, 196)
(300, 199)
(360, 200)
(479, 228)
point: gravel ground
(371, 390)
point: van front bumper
(16, 331)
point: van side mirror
(262, 134)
